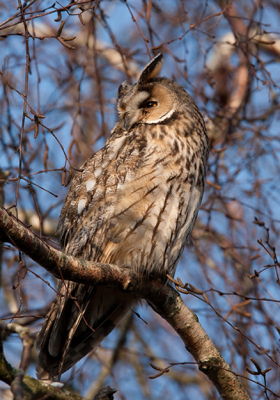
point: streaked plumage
(134, 205)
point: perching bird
(134, 205)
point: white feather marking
(97, 172)
(163, 118)
(81, 205)
(105, 164)
(90, 184)
(114, 147)
(111, 155)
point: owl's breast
(154, 212)
(135, 203)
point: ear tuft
(122, 89)
(151, 70)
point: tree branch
(31, 388)
(165, 300)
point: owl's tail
(77, 323)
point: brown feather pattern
(134, 205)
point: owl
(134, 204)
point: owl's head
(151, 100)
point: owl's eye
(150, 104)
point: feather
(134, 204)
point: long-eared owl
(133, 205)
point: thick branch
(165, 300)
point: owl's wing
(81, 316)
